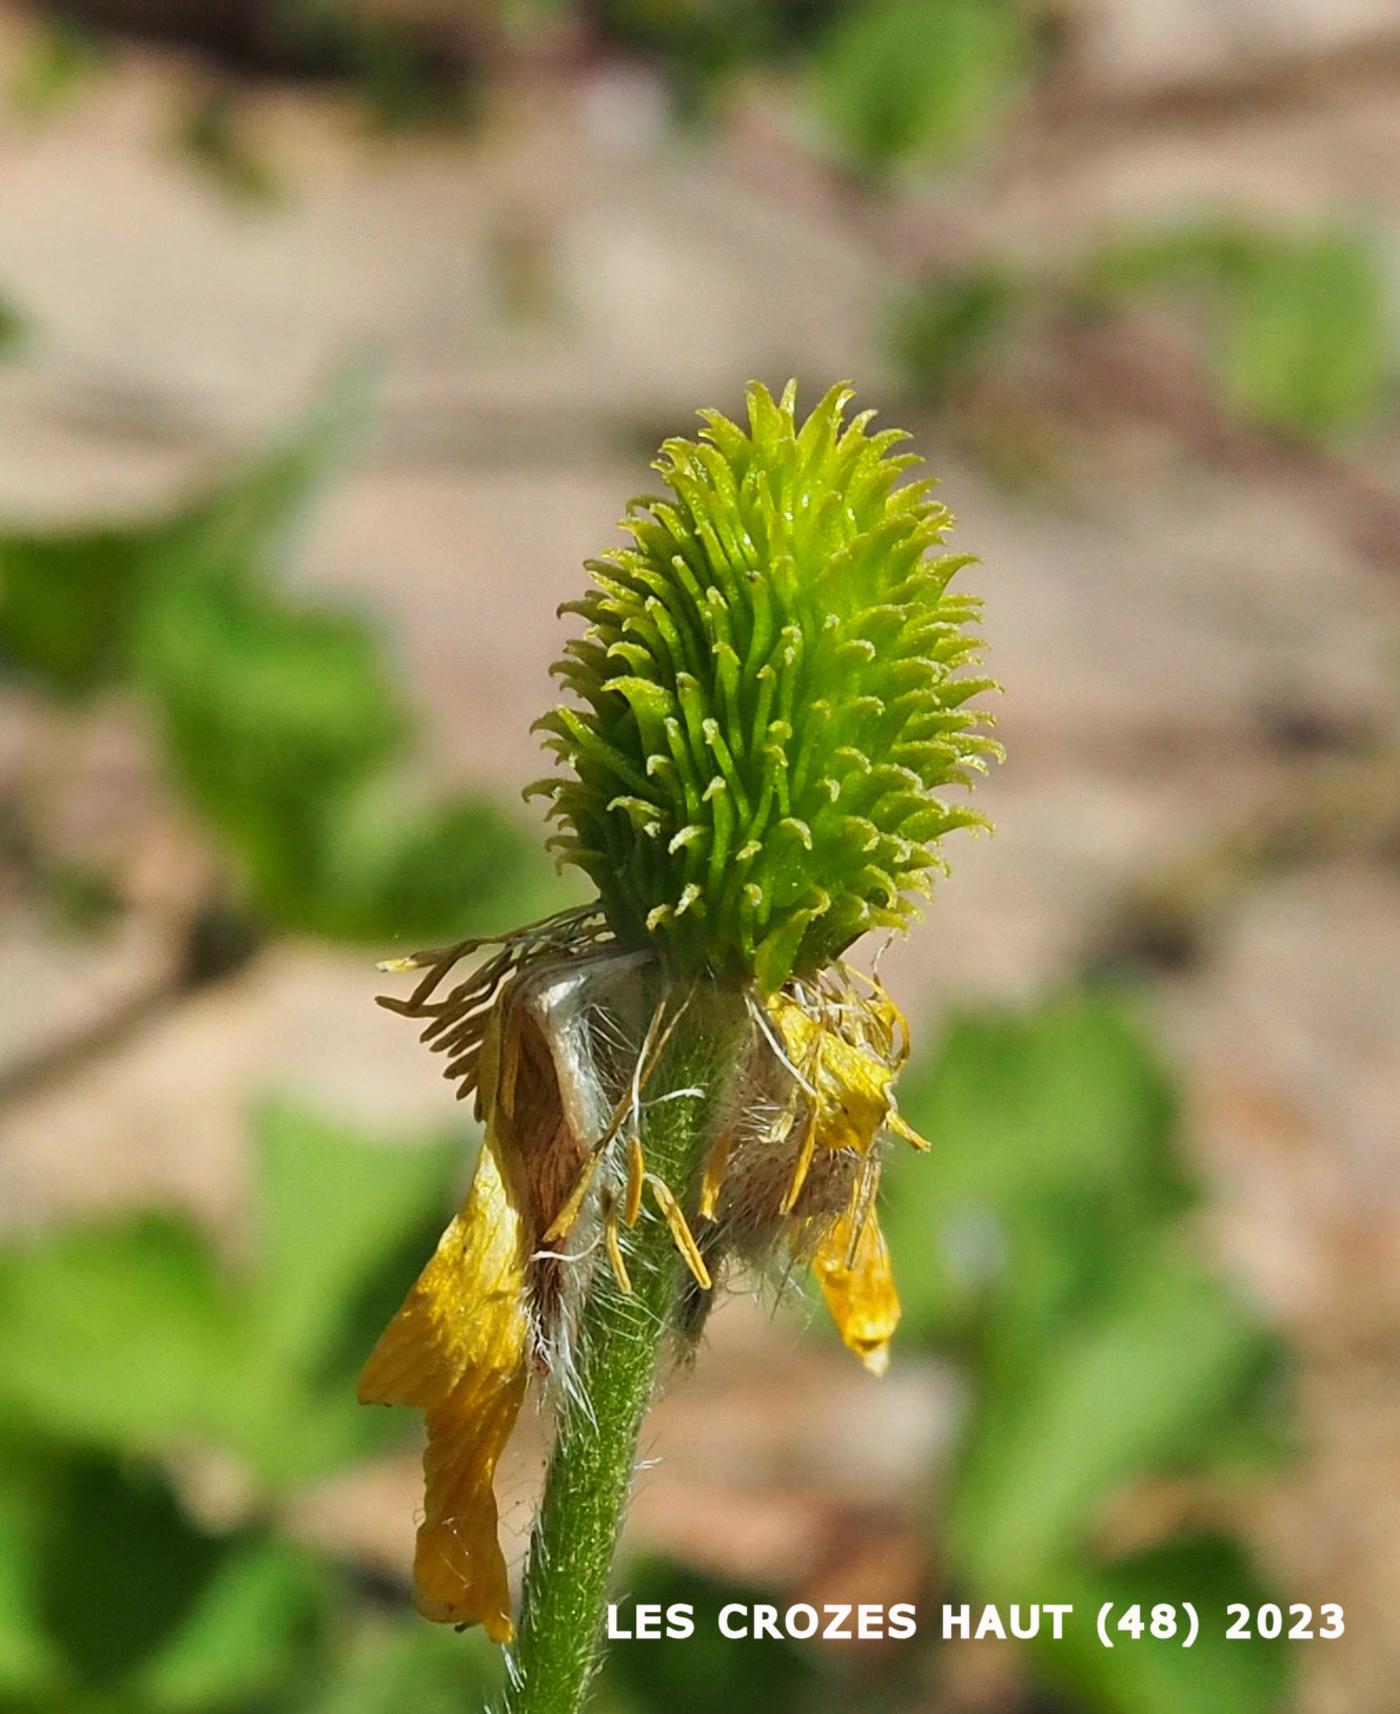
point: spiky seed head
(773, 689)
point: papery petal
(457, 1350)
(853, 1087)
(859, 1288)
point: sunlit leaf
(915, 81)
(285, 727)
(1156, 1675)
(1310, 349)
(257, 1616)
(334, 1212)
(73, 600)
(1053, 1136)
(424, 1668)
(269, 712)
(132, 1338)
(948, 327)
(121, 1336)
(1124, 1391)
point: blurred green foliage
(128, 1345)
(1302, 334)
(897, 82)
(413, 67)
(915, 82)
(281, 721)
(59, 60)
(1297, 325)
(1044, 1252)
(951, 328)
(136, 1338)
(707, 1671)
(212, 138)
(407, 1667)
(113, 1597)
(13, 328)
(700, 43)
(1043, 1249)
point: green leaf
(1191, 254)
(281, 722)
(1053, 1137)
(269, 713)
(335, 1213)
(68, 603)
(128, 1338)
(73, 602)
(141, 1605)
(257, 1618)
(1156, 1675)
(119, 1571)
(59, 61)
(345, 1225)
(423, 1668)
(283, 725)
(14, 327)
(949, 327)
(1309, 350)
(916, 81)
(120, 1336)
(399, 871)
(212, 139)
(31, 1669)
(1128, 1390)
(1305, 344)
(708, 1671)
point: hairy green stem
(619, 1343)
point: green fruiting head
(774, 690)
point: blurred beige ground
(548, 299)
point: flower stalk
(620, 1345)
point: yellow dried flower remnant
(560, 1041)
(461, 1346)
(457, 1350)
(858, 1285)
(850, 1045)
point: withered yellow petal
(852, 1085)
(456, 1350)
(859, 1288)
(459, 1571)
